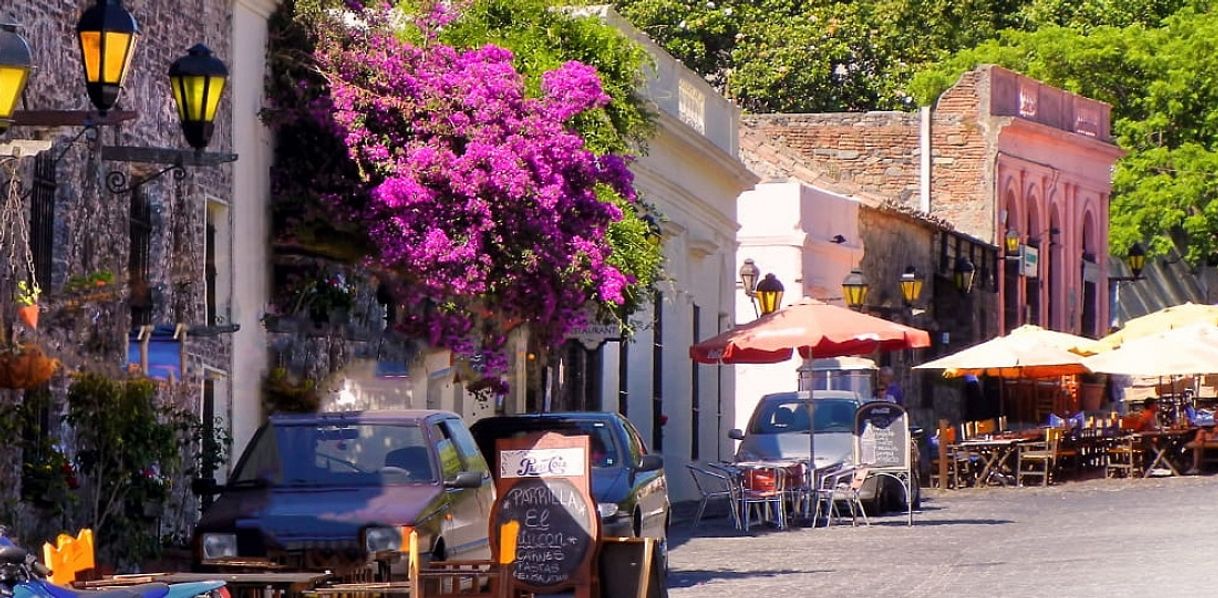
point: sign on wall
(1030, 262)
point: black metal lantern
(854, 289)
(964, 273)
(748, 277)
(1012, 243)
(1136, 259)
(911, 285)
(107, 35)
(198, 80)
(769, 294)
(15, 66)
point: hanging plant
(25, 366)
(27, 303)
(282, 393)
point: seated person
(1203, 437)
(1148, 418)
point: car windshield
(783, 416)
(602, 452)
(337, 455)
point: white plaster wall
(785, 228)
(250, 214)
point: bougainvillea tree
(475, 188)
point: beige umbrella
(1027, 352)
(1168, 318)
(1179, 352)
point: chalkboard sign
(881, 436)
(543, 487)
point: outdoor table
(1172, 440)
(994, 453)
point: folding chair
(843, 485)
(714, 485)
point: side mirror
(465, 479)
(650, 463)
(204, 487)
(735, 434)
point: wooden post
(412, 568)
(943, 432)
(508, 533)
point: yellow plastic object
(69, 556)
(507, 542)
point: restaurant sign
(881, 436)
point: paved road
(1109, 538)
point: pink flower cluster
(484, 199)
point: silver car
(778, 430)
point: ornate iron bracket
(117, 182)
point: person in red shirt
(1148, 418)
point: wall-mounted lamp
(964, 273)
(1011, 242)
(854, 289)
(769, 294)
(911, 285)
(1136, 260)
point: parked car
(778, 429)
(340, 491)
(628, 483)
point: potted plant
(282, 393)
(27, 303)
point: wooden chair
(1038, 459)
(1123, 457)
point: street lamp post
(854, 289)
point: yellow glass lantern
(15, 66)
(911, 285)
(769, 294)
(198, 81)
(1136, 259)
(965, 273)
(854, 289)
(107, 34)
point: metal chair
(714, 485)
(843, 485)
(764, 492)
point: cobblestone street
(1108, 538)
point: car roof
(553, 415)
(398, 416)
(848, 395)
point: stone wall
(91, 225)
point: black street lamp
(15, 66)
(107, 35)
(769, 294)
(198, 80)
(854, 289)
(911, 285)
(964, 274)
(1136, 259)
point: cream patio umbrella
(1027, 352)
(1168, 318)
(1177, 352)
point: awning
(164, 353)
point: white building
(693, 175)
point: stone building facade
(998, 153)
(155, 244)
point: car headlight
(380, 539)
(218, 546)
(606, 509)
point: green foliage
(129, 451)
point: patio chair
(1123, 457)
(1038, 459)
(842, 486)
(764, 492)
(714, 485)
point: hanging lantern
(911, 285)
(965, 272)
(1136, 259)
(854, 289)
(15, 66)
(1012, 243)
(769, 294)
(748, 277)
(107, 35)
(198, 80)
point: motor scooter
(22, 576)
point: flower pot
(25, 367)
(1091, 395)
(29, 315)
